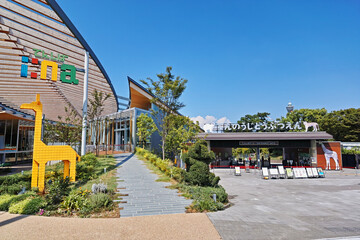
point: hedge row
(166, 166)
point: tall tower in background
(289, 107)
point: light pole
(85, 98)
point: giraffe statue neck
(38, 126)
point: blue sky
(240, 57)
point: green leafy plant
(200, 175)
(6, 200)
(99, 201)
(14, 188)
(75, 200)
(145, 128)
(57, 189)
(30, 205)
(14, 179)
(86, 169)
(202, 196)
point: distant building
(290, 107)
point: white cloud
(209, 120)
(223, 120)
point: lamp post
(85, 98)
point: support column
(313, 153)
(134, 130)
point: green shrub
(198, 152)
(14, 188)
(214, 180)
(85, 172)
(6, 200)
(207, 205)
(58, 188)
(199, 175)
(14, 179)
(75, 200)
(86, 169)
(202, 196)
(140, 151)
(178, 174)
(30, 205)
(99, 201)
(90, 159)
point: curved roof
(40, 24)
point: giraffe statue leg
(34, 176)
(73, 170)
(66, 168)
(42, 177)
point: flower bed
(63, 198)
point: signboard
(67, 71)
(299, 173)
(257, 143)
(329, 155)
(253, 127)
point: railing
(109, 149)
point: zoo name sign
(67, 71)
(262, 126)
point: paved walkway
(289, 208)
(145, 195)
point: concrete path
(289, 208)
(174, 226)
(145, 195)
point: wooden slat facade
(40, 24)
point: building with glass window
(41, 52)
(118, 130)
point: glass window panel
(2, 127)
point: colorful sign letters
(67, 72)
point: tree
(181, 131)
(67, 130)
(198, 152)
(241, 152)
(97, 103)
(197, 162)
(260, 117)
(167, 91)
(305, 115)
(145, 128)
(344, 125)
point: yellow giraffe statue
(43, 153)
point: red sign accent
(33, 75)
